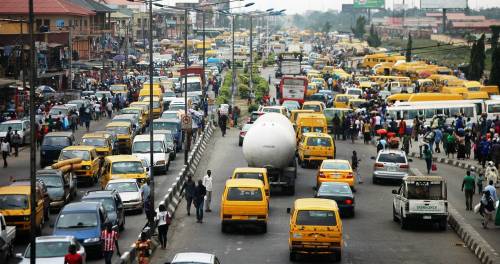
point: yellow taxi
(315, 228)
(139, 111)
(310, 122)
(342, 100)
(356, 103)
(315, 147)
(102, 142)
(123, 167)
(123, 132)
(15, 206)
(157, 106)
(320, 82)
(119, 89)
(253, 173)
(294, 114)
(335, 170)
(244, 201)
(89, 172)
(312, 88)
(145, 108)
(316, 106)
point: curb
(174, 194)
(452, 162)
(472, 239)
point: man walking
(492, 190)
(199, 196)
(146, 197)
(16, 142)
(468, 185)
(190, 189)
(110, 239)
(207, 182)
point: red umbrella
(381, 131)
(391, 134)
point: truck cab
(421, 199)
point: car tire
(290, 190)
(337, 256)
(223, 228)
(264, 228)
(443, 224)
(403, 222)
(374, 180)
(240, 143)
(394, 217)
(293, 256)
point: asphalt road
(370, 237)
(133, 222)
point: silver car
(51, 249)
(129, 192)
(390, 164)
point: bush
(253, 107)
(243, 90)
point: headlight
(85, 167)
(297, 235)
(43, 152)
(27, 218)
(160, 162)
(91, 240)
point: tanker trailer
(270, 143)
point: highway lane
(133, 222)
(370, 237)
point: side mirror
(19, 255)
(147, 169)
(372, 157)
(115, 227)
(394, 191)
(410, 160)
(288, 210)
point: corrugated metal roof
(92, 5)
(44, 7)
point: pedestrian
(164, 220)
(16, 142)
(479, 183)
(146, 197)
(5, 148)
(491, 173)
(207, 182)
(109, 109)
(406, 143)
(488, 208)
(236, 115)
(355, 164)
(72, 257)
(367, 132)
(110, 243)
(223, 124)
(143, 249)
(493, 191)
(468, 186)
(428, 158)
(199, 196)
(189, 188)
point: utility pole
(22, 57)
(233, 64)
(251, 53)
(151, 73)
(186, 62)
(203, 58)
(70, 68)
(126, 45)
(33, 226)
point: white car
(22, 127)
(161, 157)
(194, 257)
(129, 192)
(51, 249)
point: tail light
(349, 175)
(348, 201)
(379, 165)
(404, 166)
(321, 175)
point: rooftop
(44, 7)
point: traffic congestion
(329, 145)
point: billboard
(439, 4)
(369, 4)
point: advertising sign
(369, 4)
(447, 4)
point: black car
(61, 186)
(52, 145)
(111, 202)
(341, 193)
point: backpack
(168, 218)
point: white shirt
(207, 182)
(162, 217)
(5, 147)
(109, 106)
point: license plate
(391, 168)
(238, 217)
(427, 217)
(252, 218)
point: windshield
(119, 130)
(123, 186)
(391, 158)
(125, 167)
(51, 182)
(354, 92)
(176, 107)
(244, 194)
(492, 108)
(249, 175)
(335, 166)
(424, 190)
(77, 220)
(315, 108)
(130, 111)
(101, 94)
(319, 142)
(49, 249)
(70, 154)
(55, 141)
(96, 142)
(312, 129)
(144, 146)
(317, 97)
(107, 203)
(169, 94)
(334, 189)
(115, 88)
(14, 126)
(58, 111)
(194, 87)
(13, 201)
(291, 105)
(165, 126)
(169, 116)
(356, 104)
(342, 99)
(271, 110)
(316, 218)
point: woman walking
(164, 219)
(428, 158)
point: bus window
(439, 111)
(412, 114)
(479, 108)
(446, 112)
(421, 112)
(468, 111)
(454, 111)
(429, 113)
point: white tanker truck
(270, 143)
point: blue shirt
(146, 192)
(493, 192)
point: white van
(161, 155)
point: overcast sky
(299, 6)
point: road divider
(472, 239)
(175, 193)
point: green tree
(409, 46)
(327, 26)
(373, 38)
(495, 57)
(477, 57)
(359, 29)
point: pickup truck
(7, 235)
(421, 199)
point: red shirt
(109, 240)
(73, 258)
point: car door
(397, 200)
(120, 209)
